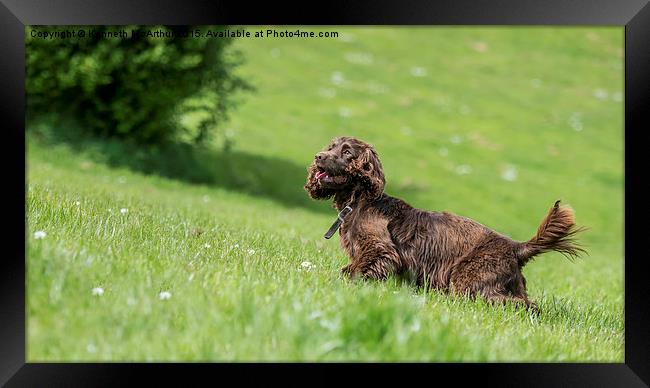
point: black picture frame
(634, 15)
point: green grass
(226, 236)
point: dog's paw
(349, 272)
(533, 308)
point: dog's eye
(347, 152)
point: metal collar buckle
(339, 220)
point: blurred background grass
(491, 123)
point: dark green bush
(134, 88)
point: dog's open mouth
(322, 175)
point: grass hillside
(180, 254)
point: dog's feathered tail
(556, 233)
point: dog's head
(345, 164)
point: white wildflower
(307, 265)
(600, 94)
(97, 291)
(337, 78)
(251, 251)
(575, 121)
(39, 234)
(359, 58)
(327, 92)
(509, 173)
(314, 315)
(206, 245)
(124, 210)
(443, 151)
(480, 47)
(418, 71)
(420, 300)
(347, 37)
(376, 88)
(345, 112)
(330, 325)
(406, 131)
(463, 169)
(164, 295)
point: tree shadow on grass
(277, 179)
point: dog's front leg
(377, 261)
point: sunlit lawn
(490, 123)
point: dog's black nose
(320, 156)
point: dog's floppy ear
(367, 168)
(313, 187)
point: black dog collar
(339, 220)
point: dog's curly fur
(385, 236)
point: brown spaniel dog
(384, 235)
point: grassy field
(176, 254)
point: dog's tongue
(321, 174)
